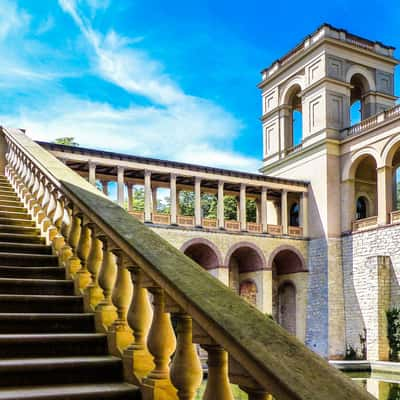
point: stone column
(173, 197)
(147, 196)
(121, 186)
(92, 173)
(384, 192)
(154, 199)
(242, 208)
(284, 212)
(304, 213)
(220, 206)
(197, 201)
(104, 184)
(348, 205)
(130, 196)
(264, 218)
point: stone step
(32, 272)
(9, 208)
(7, 192)
(21, 238)
(28, 260)
(36, 286)
(26, 248)
(15, 215)
(98, 391)
(19, 229)
(9, 196)
(60, 370)
(20, 303)
(16, 221)
(10, 203)
(46, 323)
(53, 345)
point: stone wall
(371, 271)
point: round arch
(365, 73)
(252, 253)
(287, 91)
(389, 150)
(204, 252)
(350, 166)
(287, 259)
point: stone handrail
(116, 261)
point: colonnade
(262, 225)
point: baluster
(186, 372)
(93, 293)
(55, 237)
(161, 343)
(38, 212)
(138, 361)
(105, 313)
(49, 207)
(66, 225)
(82, 278)
(218, 386)
(120, 335)
(73, 263)
(256, 393)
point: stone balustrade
(116, 262)
(395, 217)
(365, 223)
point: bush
(393, 332)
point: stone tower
(306, 101)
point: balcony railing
(365, 223)
(116, 262)
(232, 225)
(372, 122)
(209, 223)
(295, 231)
(274, 229)
(395, 217)
(138, 215)
(185, 220)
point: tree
(138, 199)
(67, 141)
(186, 203)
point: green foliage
(230, 208)
(251, 210)
(394, 392)
(138, 199)
(186, 203)
(67, 141)
(393, 332)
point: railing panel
(395, 217)
(365, 223)
(162, 219)
(254, 227)
(274, 229)
(275, 361)
(295, 231)
(232, 225)
(138, 215)
(185, 220)
(209, 223)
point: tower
(309, 96)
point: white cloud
(145, 131)
(46, 25)
(12, 19)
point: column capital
(264, 189)
(197, 179)
(92, 163)
(120, 168)
(147, 172)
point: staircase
(48, 346)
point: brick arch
(204, 252)
(250, 254)
(290, 254)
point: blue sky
(173, 80)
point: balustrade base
(137, 364)
(160, 389)
(105, 315)
(92, 296)
(82, 280)
(119, 338)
